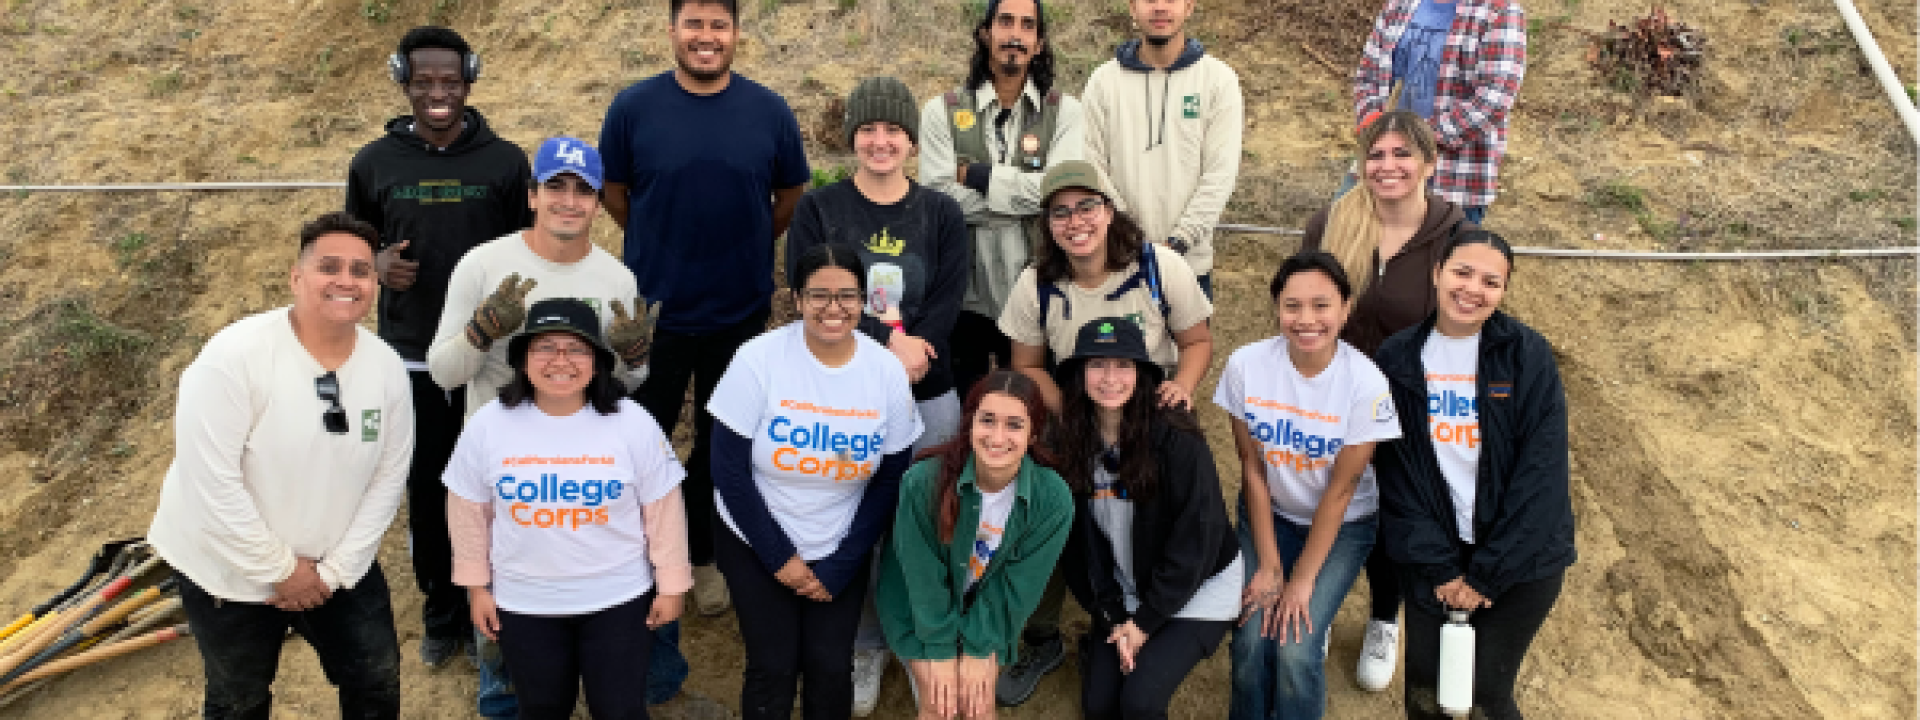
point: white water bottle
(1456, 665)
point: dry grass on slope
(1743, 434)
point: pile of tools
(123, 604)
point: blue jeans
(495, 698)
(1476, 214)
(1275, 680)
(667, 668)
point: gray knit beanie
(882, 98)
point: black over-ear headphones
(401, 67)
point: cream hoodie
(1169, 140)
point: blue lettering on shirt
(1285, 434)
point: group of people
(986, 404)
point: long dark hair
(1124, 239)
(1076, 438)
(955, 452)
(1039, 69)
(603, 391)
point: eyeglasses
(328, 388)
(548, 351)
(1084, 208)
(818, 299)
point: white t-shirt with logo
(567, 537)
(995, 508)
(1216, 599)
(1302, 422)
(818, 432)
(1453, 419)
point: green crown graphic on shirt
(1190, 106)
(369, 425)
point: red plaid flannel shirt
(1480, 73)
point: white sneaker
(1378, 656)
(709, 591)
(868, 667)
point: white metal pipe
(1223, 227)
(172, 187)
(1896, 93)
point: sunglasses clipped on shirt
(328, 388)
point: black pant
(789, 638)
(1158, 668)
(437, 416)
(1383, 584)
(1501, 636)
(352, 632)
(975, 344)
(678, 359)
(550, 657)
(1206, 285)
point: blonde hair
(1352, 234)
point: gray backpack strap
(1033, 156)
(969, 138)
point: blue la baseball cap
(567, 155)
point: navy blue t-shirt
(700, 172)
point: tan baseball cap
(1074, 174)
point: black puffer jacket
(1523, 513)
(1181, 537)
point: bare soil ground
(1743, 434)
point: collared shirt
(1000, 245)
(1479, 78)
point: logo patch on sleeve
(1383, 408)
(370, 425)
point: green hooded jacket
(923, 581)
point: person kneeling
(953, 602)
(1152, 557)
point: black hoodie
(1181, 538)
(1523, 507)
(446, 202)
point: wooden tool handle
(119, 612)
(98, 654)
(60, 625)
(16, 626)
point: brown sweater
(1403, 295)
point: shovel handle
(16, 626)
(97, 654)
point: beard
(704, 76)
(1014, 59)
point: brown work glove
(632, 336)
(503, 312)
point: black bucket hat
(562, 315)
(1112, 337)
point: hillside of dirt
(1743, 433)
